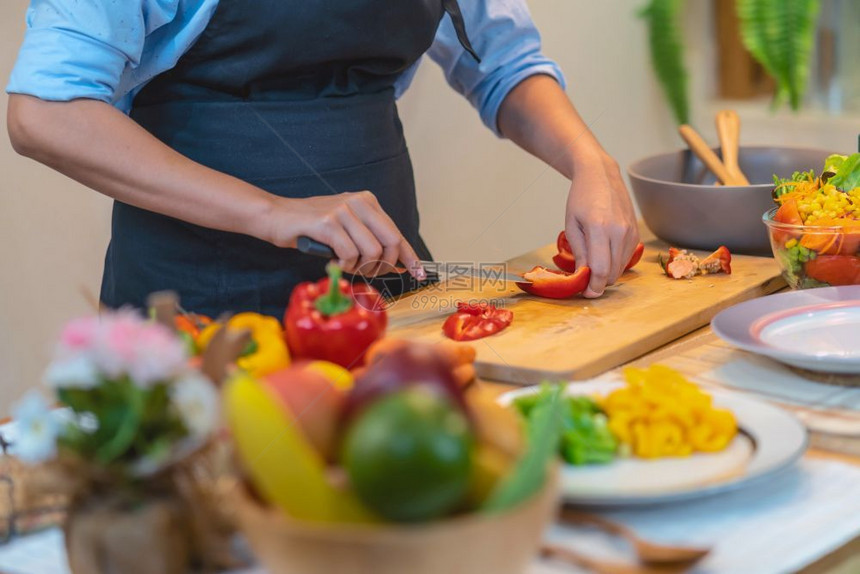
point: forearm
(538, 116)
(99, 146)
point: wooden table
(697, 352)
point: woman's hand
(600, 222)
(364, 238)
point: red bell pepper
(565, 260)
(475, 321)
(333, 320)
(834, 269)
(555, 284)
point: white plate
(815, 329)
(770, 440)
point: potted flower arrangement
(134, 419)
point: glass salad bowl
(815, 255)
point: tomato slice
(555, 284)
(834, 269)
(790, 214)
(475, 321)
(565, 260)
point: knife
(485, 272)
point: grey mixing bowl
(680, 204)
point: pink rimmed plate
(814, 329)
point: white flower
(37, 430)
(77, 371)
(196, 400)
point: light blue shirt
(109, 50)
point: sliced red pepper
(636, 257)
(565, 260)
(555, 284)
(834, 269)
(333, 320)
(475, 321)
(718, 261)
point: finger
(370, 250)
(339, 240)
(619, 251)
(576, 239)
(599, 260)
(367, 208)
(411, 261)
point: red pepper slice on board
(475, 321)
(834, 269)
(718, 261)
(565, 260)
(333, 320)
(555, 284)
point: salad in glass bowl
(815, 227)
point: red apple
(400, 367)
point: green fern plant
(667, 53)
(780, 35)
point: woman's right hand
(364, 238)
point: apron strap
(453, 10)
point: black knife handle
(313, 247)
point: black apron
(296, 98)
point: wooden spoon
(604, 566)
(707, 155)
(648, 553)
(729, 132)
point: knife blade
(483, 271)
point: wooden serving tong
(727, 170)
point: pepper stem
(334, 302)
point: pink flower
(78, 335)
(116, 344)
(159, 356)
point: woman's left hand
(600, 222)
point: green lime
(408, 455)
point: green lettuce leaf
(848, 174)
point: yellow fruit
(339, 377)
(282, 465)
(496, 425)
(489, 466)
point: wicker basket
(471, 544)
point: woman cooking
(226, 129)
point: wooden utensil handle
(729, 131)
(706, 154)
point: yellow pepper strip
(659, 413)
(267, 351)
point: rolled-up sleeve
(509, 45)
(81, 48)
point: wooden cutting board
(580, 338)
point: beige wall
(480, 197)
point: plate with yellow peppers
(651, 436)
